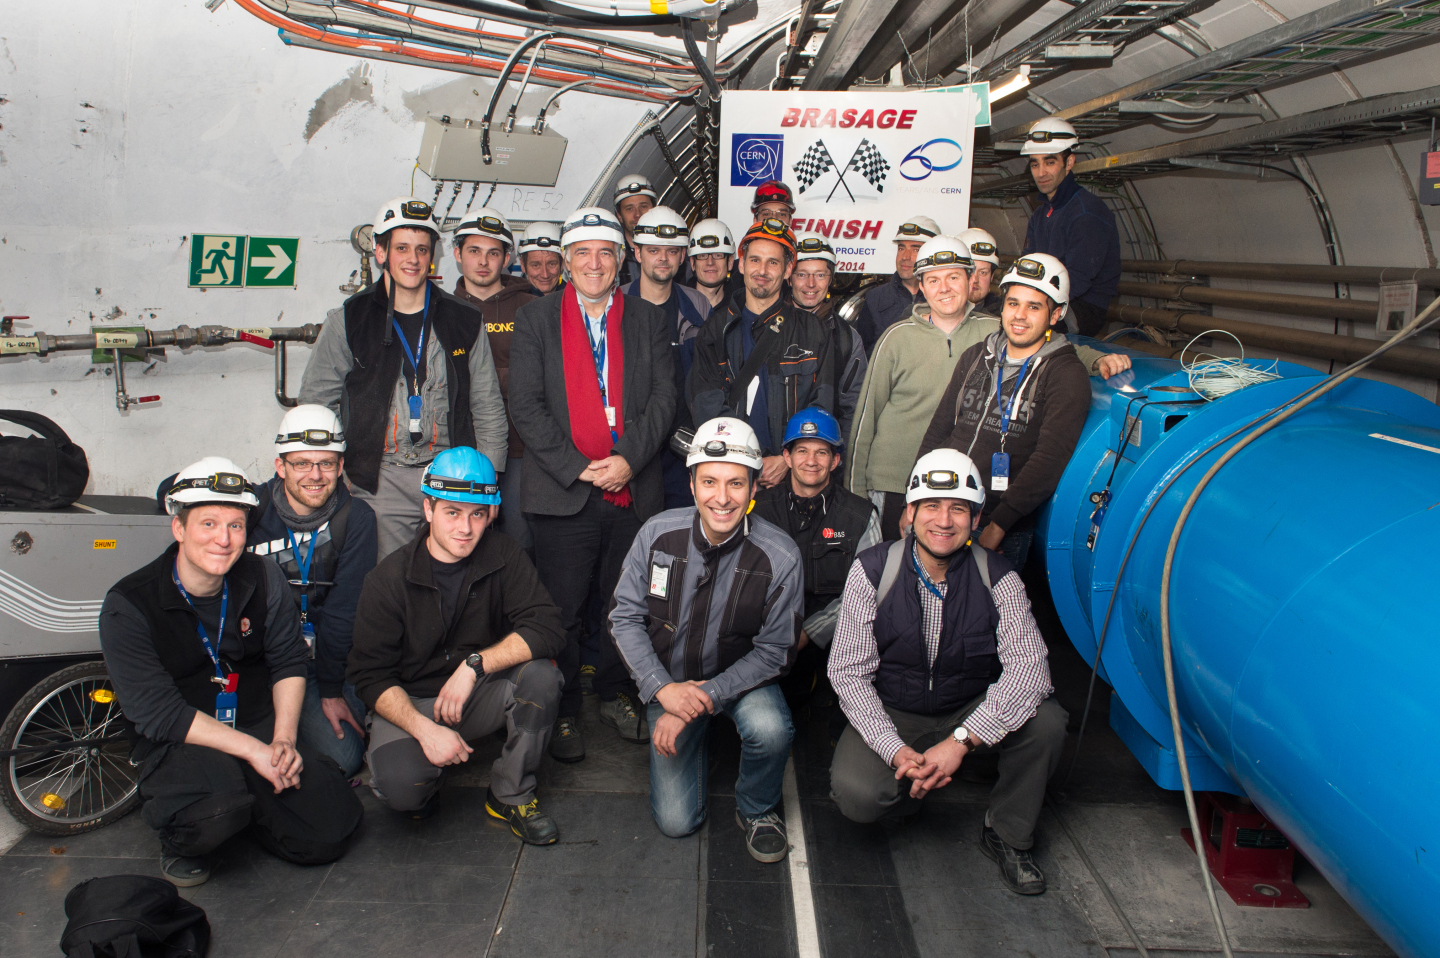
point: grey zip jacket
(727, 616)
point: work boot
(765, 836)
(530, 825)
(1017, 866)
(566, 743)
(185, 871)
(619, 713)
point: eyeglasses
(910, 229)
(1045, 136)
(415, 210)
(311, 437)
(665, 231)
(228, 483)
(811, 244)
(327, 467)
(444, 484)
(709, 257)
(945, 257)
(706, 242)
(1030, 268)
(982, 249)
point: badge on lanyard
(610, 416)
(1000, 461)
(1000, 471)
(302, 565)
(416, 405)
(416, 357)
(659, 580)
(227, 701)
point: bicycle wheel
(71, 790)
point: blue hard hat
(461, 475)
(813, 423)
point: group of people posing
(681, 496)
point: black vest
(827, 545)
(968, 661)
(177, 641)
(370, 384)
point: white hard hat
(725, 440)
(1040, 271)
(1050, 135)
(813, 246)
(591, 223)
(540, 237)
(917, 228)
(213, 480)
(943, 252)
(982, 246)
(406, 211)
(946, 474)
(310, 427)
(636, 184)
(486, 222)
(711, 236)
(662, 226)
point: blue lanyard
(200, 626)
(1007, 409)
(924, 579)
(304, 566)
(597, 353)
(419, 353)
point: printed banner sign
(859, 164)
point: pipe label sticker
(116, 340)
(17, 344)
(105, 543)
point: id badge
(416, 405)
(660, 581)
(307, 632)
(1000, 471)
(610, 416)
(227, 701)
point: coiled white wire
(1214, 376)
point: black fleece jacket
(401, 637)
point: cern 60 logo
(756, 158)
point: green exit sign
(271, 260)
(230, 261)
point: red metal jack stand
(1250, 858)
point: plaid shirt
(1009, 703)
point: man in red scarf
(592, 395)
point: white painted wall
(153, 121)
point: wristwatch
(966, 739)
(476, 663)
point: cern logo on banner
(812, 165)
(869, 163)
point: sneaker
(185, 871)
(566, 743)
(1017, 867)
(587, 680)
(765, 836)
(530, 825)
(620, 714)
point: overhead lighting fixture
(1080, 51)
(1012, 83)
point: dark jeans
(569, 551)
(1016, 547)
(197, 798)
(866, 790)
(891, 515)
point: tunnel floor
(460, 884)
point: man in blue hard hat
(454, 638)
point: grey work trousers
(396, 501)
(866, 790)
(524, 700)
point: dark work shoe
(620, 714)
(184, 871)
(1017, 867)
(765, 836)
(566, 743)
(587, 680)
(530, 825)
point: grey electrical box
(450, 150)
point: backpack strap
(891, 571)
(983, 562)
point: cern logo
(756, 158)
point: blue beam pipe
(1307, 650)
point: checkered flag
(869, 163)
(813, 165)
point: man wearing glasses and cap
(407, 367)
(1072, 224)
(483, 244)
(891, 302)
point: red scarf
(588, 428)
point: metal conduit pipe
(183, 337)
(1317, 306)
(1411, 360)
(1288, 272)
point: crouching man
(453, 639)
(706, 617)
(204, 648)
(936, 655)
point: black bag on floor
(132, 916)
(45, 472)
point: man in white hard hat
(540, 257)
(986, 254)
(634, 197)
(705, 617)
(712, 254)
(936, 655)
(593, 396)
(661, 239)
(1072, 224)
(1018, 401)
(204, 649)
(483, 244)
(407, 367)
(323, 539)
(891, 302)
(810, 290)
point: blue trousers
(315, 729)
